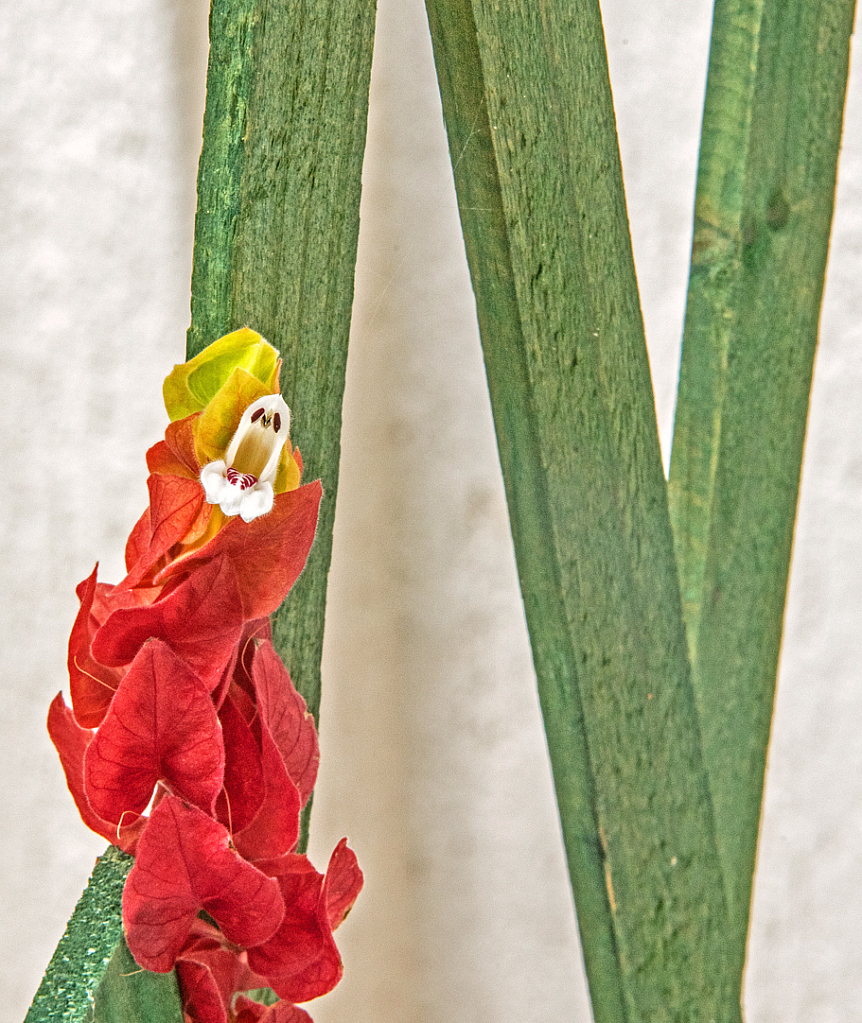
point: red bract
(181, 531)
(342, 884)
(268, 554)
(300, 960)
(161, 726)
(91, 684)
(275, 827)
(285, 713)
(244, 785)
(72, 741)
(248, 1011)
(201, 620)
(184, 864)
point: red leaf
(201, 620)
(342, 884)
(208, 976)
(248, 1011)
(72, 741)
(267, 554)
(185, 864)
(175, 503)
(161, 726)
(275, 828)
(92, 685)
(301, 960)
(285, 713)
(244, 787)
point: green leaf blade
(531, 133)
(130, 994)
(276, 233)
(92, 972)
(772, 130)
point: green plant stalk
(276, 234)
(766, 183)
(529, 114)
(129, 994)
(89, 966)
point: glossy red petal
(268, 554)
(285, 713)
(72, 741)
(92, 685)
(275, 828)
(342, 884)
(201, 620)
(161, 726)
(244, 787)
(185, 864)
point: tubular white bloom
(241, 483)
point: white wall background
(434, 758)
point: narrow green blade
(276, 233)
(766, 183)
(89, 955)
(129, 994)
(528, 109)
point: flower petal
(162, 725)
(257, 501)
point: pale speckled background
(434, 758)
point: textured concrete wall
(434, 758)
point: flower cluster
(186, 743)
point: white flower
(241, 483)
